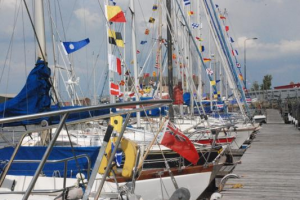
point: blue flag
(70, 47)
(231, 40)
(143, 42)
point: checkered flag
(194, 25)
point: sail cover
(33, 98)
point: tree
(255, 86)
(267, 82)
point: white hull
(241, 137)
(150, 189)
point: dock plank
(270, 168)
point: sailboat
(151, 178)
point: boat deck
(270, 168)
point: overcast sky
(273, 22)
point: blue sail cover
(33, 98)
(57, 153)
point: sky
(277, 49)
(273, 22)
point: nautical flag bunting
(114, 64)
(113, 2)
(154, 8)
(222, 17)
(209, 71)
(70, 47)
(114, 14)
(206, 60)
(235, 53)
(195, 25)
(187, 2)
(114, 89)
(147, 31)
(115, 38)
(151, 20)
(202, 48)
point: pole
(45, 157)
(108, 133)
(40, 29)
(136, 81)
(245, 63)
(111, 75)
(170, 67)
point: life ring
(129, 148)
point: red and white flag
(114, 64)
(174, 139)
(114, 89)
(209, 71)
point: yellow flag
(117, 123)
(114, 14)
(212, 83)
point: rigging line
(69, 21)
(135, 88)
(226, 48)
(62, 22)
(24, 50)
(221, 50)
(74, 154)
(178, 49)
(35, 34)
(9, 52)
(54, 56)
(9, 47)
(235, 57)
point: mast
(170, 67)
(40, 30)
(159, 50)
(112, 98)
(199, 69)
(135, 67)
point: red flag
(114, 89)
(131, 94)
(174, 139)
(222, 17)
(146, 75)
(122, 83)
(226, 28)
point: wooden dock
(270, 168)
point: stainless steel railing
(65, 114)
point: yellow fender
(129, 148)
